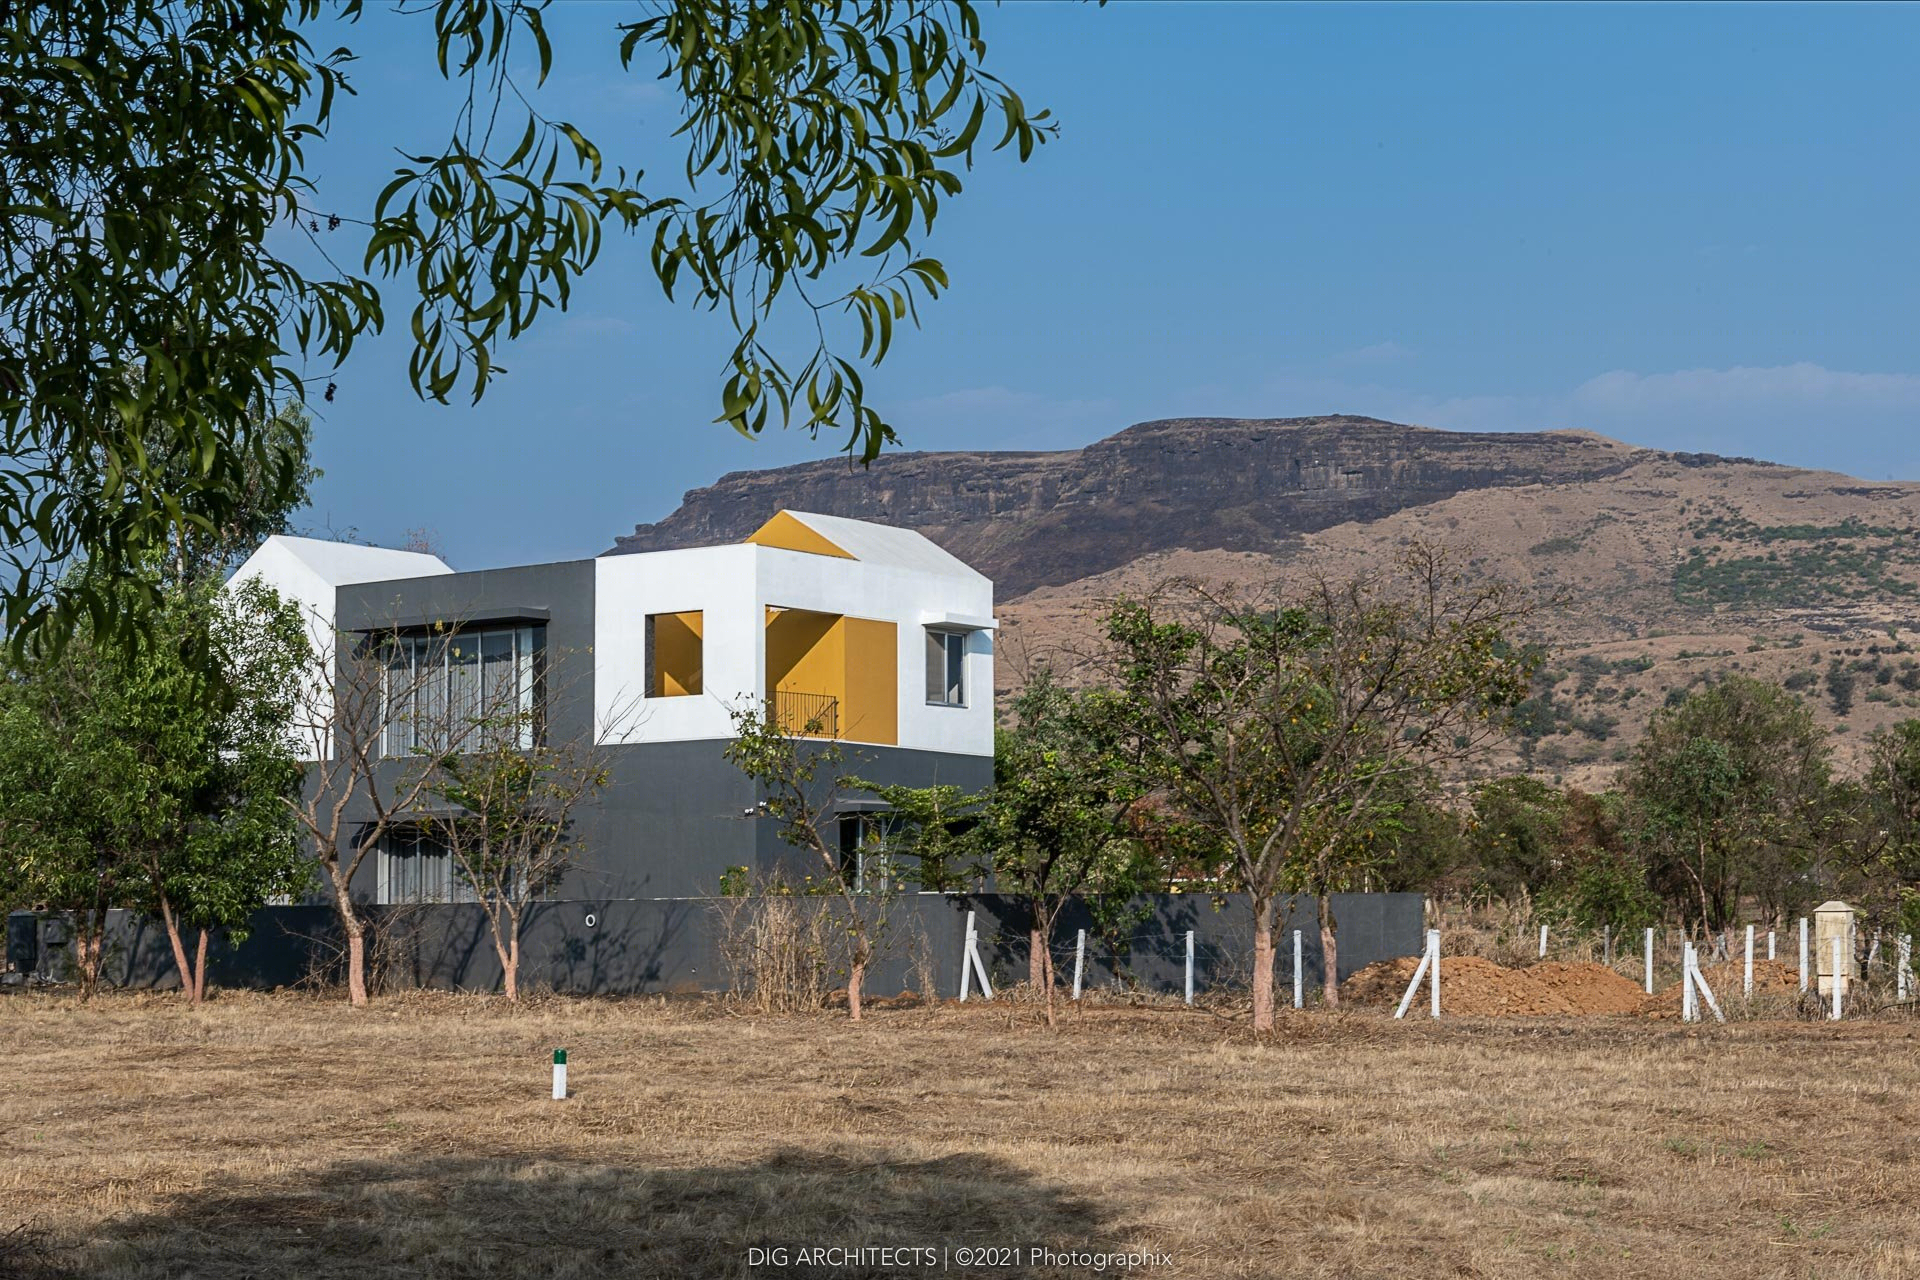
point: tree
(356, 794)
(1056, 825)
(928, 835)
(1891, 839)
(797, 773)
(142, 780)
(1279, 723)
(1729, 792)
(510, 797)
(157, 185)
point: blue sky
(1685, 227)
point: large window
(447, 687)
(947, 668)
(416, 867)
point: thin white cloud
(1743, 386)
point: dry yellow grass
(286, 1136)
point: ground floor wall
(640, 945)
(674, 817)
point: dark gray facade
(674, 816)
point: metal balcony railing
(805, 715)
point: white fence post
(1079, 961)
(1770, 951)
(1299, 979)
(1688, 1011)
(1649, 962)
(1428, 959)
(966, 960)
(1543, 942)
(1904, 975)
(1189, 966)
(1749, 990)
(1839, 980)
(1433, 945)
(1706, 992)
(1803, 955)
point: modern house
(839, 628)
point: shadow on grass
(460, 1216)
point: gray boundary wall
(647, 945)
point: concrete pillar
(1834, 920)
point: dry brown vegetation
(285, 1135)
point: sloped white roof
(342, 563)
(872, 543)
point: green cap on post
(559, 1057)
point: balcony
(804, 715)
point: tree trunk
(1263, 963)
(200, 969)
(856, 975)
(1036, 953)
(356, 931)
(180, 964)
(1329, 953)
(510, 967)
(1046, 976)
(356, 961)
(89, 947)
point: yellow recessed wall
(789, 534)
(853, 660)
(677, 657)
(873, 682)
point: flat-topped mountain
(1032, 520)
(1673, 567)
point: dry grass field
(268, 1136)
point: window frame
(951, 644)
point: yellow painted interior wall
(806, 652)
(678, 657)
(873, 682)
(852, 659)
(789, 534)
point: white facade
(888, 575)
(307, 573)
(870, 571)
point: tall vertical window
(466, 682)
(947, 668)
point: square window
(674, 654)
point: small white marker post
(1079, 961)
(1649, 962)
(1749, 989)
(1429, 961)
(559, 1075)
(1839, 980)
(1770, 950)
(1299, 981)
(1189, 966)
(1543, 942)
(1803, 955)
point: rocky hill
(1672, 567)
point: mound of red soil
(1469, 987)
(1589, 988)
